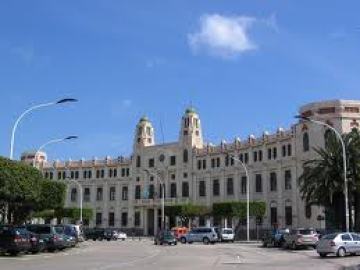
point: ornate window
(306, 142)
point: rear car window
(346, 237)
(306, 232)
(40, 229)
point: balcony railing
(157, 201)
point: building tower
(191, 134)
(144, 134)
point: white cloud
(223, 36)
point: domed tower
(191, 134)
(144, 134)
(33, 157)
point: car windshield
(228, 231)
(59, 230)
(330, 236)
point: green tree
(322, 181)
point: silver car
(339, 244)
(205, 235)
(301, 238)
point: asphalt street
(144, 255)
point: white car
(227, 235)
(122, 236)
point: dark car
(14, 240)
(110, 234)
(36, 243)
(274, 238)
(69, 240)
(95, 234)
(53, 240)
(165, 237)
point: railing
(157, 201)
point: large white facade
(124, 192)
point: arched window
(185, 156)
(308, 211)
(306, 143)
(327, 136)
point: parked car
(74, 231)
(165, 237)
(227, 235)
(178, 232)
(339, 244)
(36, 243)
(275, 238)
(69, 241)
(110, 234)
(301, 238)
(201, 234)
(53, 240)
(122, 236)
(95, 234)
(14, 240)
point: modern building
(125, 192)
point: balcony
(157, 201)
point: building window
(306, 142)
(283, 150)
(273, 181)
(202, 189)
(138, 161)
(287, 180)
(275, 152)
(255, 156)
(258, 183)
(269, 154)
(123, 171)
(110, 173)
(151, 191)
(76, 174)
(289, 150)
(230, 186)
(124, 219)
(97, 173)
(227, 160)
(273, 215)
(151, 163)
(218, 162)
(213, 163)
(172, 160)
(124, 193)
(288, 215)
(216, 188)
(99, 194)
(185, 175)
(199, 164)
(137, 220)
(308, 211)
(98, 219)
(87, 195)
(246, 158)
(73, 195)
(173, 176)
(185, 189)
(260, 155)
(72, 174)
(115, 172)
(241, 157)
(243, 184)
(185, 156)
(204, 164)
(137, 192)
(112, 194)
(173, 190)
(111, 219)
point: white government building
(124, 193)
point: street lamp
(162, 188)
(52, 142)
(247, 197)
(61, 101)
(337, 133)
(81, 195)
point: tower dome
(144, 133)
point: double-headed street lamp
(162, 188)
(347, 214)
(247, 197)
(61, 101)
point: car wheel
(341, 252)
(94, 239)
(183, 240)
(322, 255)
(14, 253)
(175, 243)
(293, 245)
(206, 240)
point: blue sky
(245, 65)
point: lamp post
(162, 188)
(81, 195)
(337, 133)
(247, 197)
(51, 142)
(65, 100)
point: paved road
(145, 256)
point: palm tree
(322, 180)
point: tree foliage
(24, 190)
(239, 209)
